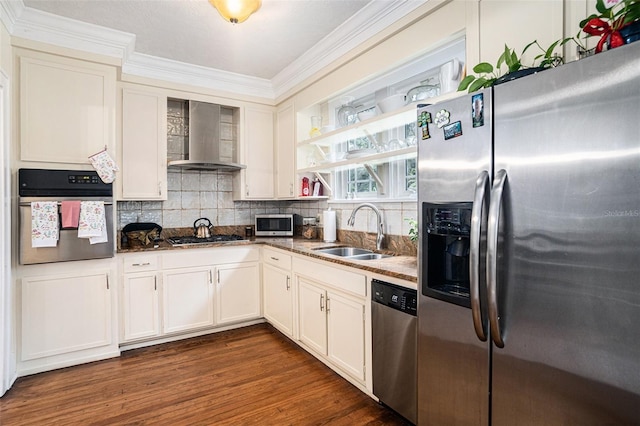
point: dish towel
(44, 224)
(70, 212)
(92, 223)
(104, 165)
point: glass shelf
(371, 126)
(377, 158)
(323, 146)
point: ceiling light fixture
(236, 11)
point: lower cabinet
(188, 290)
(237, 293)
(332, 314)
(66, 318)
(333, 325)
(187, 299)
(277, 283)
(345, 333)
(141, 305)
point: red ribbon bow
(597, 26)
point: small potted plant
(413, 230)
(488, 75)
(616, 23)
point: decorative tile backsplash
(196, 194)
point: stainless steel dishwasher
(394, 341)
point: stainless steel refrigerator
(529, 271)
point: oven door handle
(28, 203)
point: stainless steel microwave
(275, 225)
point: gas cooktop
(181, 241)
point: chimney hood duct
(206, 149)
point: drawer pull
(275, 258)
(141, 264)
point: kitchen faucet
(380, 226)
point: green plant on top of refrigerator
(488, 75)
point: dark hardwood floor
(248, 376)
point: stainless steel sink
(368, 256)
(344, 251)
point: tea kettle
(201, 230)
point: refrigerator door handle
(482, 186)
(492, 256)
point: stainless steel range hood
(207, 148)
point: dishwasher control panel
(394, 296)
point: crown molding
(35, 25)
(39, 26)
(179, 72)
(369, 21)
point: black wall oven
(36, 185)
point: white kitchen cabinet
(544, 23)
(333, 324)
(332, 315)
(237, 293)
(257, 180)
(187, 299)
(140, 297)
(278, 291)
(285, 152)
(141, 305)
(345, 333)
(144, 145)
(312, 313)
(67, 108)
(185, 291)
(66, 314)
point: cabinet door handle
(107, 281)
(141, 264)
(328, 307)
(210, 277)
(288, 282)
(218, 271)
(155, 283)
(322, 302)
(159, 188)
(247, 189)
(291, 188)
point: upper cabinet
(257, 180)
(67, 108)
(544, 22)
(285, 149)
(144, 145)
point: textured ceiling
(192, 31)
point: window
(360, 182)
(411, 175)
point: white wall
(7, 359)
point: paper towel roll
(329, 221)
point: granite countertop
(401, 267)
